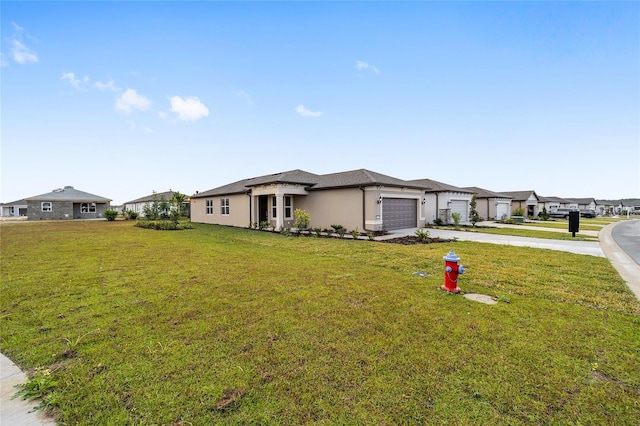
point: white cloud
(73, 81)
(131, 100)
(22, 54)
(188, 109)
(306, 113)
(244, 95)
(361, 65)
(108, 85)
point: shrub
(438, 221)
(423, 235)
(130, 214)
(301, 219)
(111, 215)
(163, 225)
(518, 212)
(456, 219)
(355, 234)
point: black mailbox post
(574, 222)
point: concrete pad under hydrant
(482, 298)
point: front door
(263, 208)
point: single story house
(585, 204)
(139, 204)
(443, 200)
(554, 203)
(66, 203)
(14, 209)
(491, 205)
(358, 199)
(526, 200)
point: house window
(224, 206)
(209, 206)
(274, 209)
(47, 206)
(88, 207)
(287, 207)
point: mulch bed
(410, 240)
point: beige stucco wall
(333, 207)
(238, 211)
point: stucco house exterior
(66, 203)
(139, 204)
(442, 200)
(491, 205)
(553, 203)
(357, 199)
(16, 208)
(527, 200)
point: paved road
(627, 236)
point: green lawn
(217, 325)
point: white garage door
(399, 213)
(502, 210)
(462, 208)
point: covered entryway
(399, 213)
(462, 208)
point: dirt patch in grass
(229, 397)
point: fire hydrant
(451, 271)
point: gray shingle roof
(484, 193)
(519, 195)
(68, 193)
(349, 179)
(554, 199)
(435, 186)
(361, 177)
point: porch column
(279, 211)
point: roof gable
(435, 186)
(520, 195)
(361, 177)
(68, 193)
(484, 193)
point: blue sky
(123, 98)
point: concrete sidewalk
(16, 412)
(579, 247)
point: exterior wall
(62, 210)
(492, 208)
(238, 211)
(14, 210)
(438, 206)
(335, 207)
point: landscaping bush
(111, 215)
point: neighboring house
(442, 200)
(358, 199)
(14, 209)
(491, 205)
(527, 200)
(66, 203)
(553, 203)
(139, 204)
(585, 203)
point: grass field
(217, 325)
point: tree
(475, 217)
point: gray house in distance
(66, 203)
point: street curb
(628, 269)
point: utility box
(574, 222)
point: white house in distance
(138, 204)
(442, 200)
(491, 205)
(14, 209)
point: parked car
(561, 213)
(587, 213)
